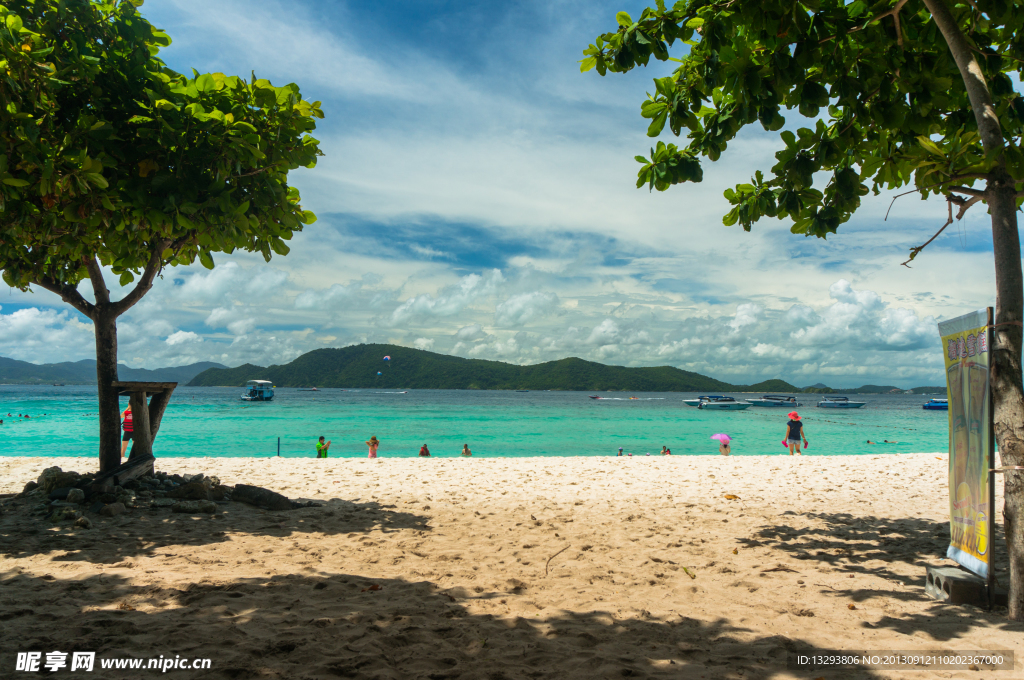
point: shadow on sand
(335, 625)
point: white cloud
(423, 343)
(470, 333)
(520, 309)
(182, 337)
(451, 301)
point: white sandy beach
(578, 567)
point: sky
(477, 197)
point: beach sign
(966, 341)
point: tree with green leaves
(902, 93)
(108, 158)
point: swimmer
(870, 442)
(620, 451)
(886, 441)
(424, 451)
(466, 451)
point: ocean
(213, 421)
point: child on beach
(373, 443)
(321, 448)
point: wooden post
(142, 440)
(157, 405)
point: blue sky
(477, 198)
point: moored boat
(839, 402)
(936, 405)
(717, 402)
(775, 400)
(258, 390)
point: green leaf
(206, 259)
(97, 179)
(930, 146)
(587, 64)
(126, 278)
(11, 181)
(624, 19)
(657, 125)
(695, 23)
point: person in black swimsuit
(794, 433)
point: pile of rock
(66, 495)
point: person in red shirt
(126, 415)
(424, 451)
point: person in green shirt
(321, 448)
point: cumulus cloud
(520, 309)
(470, 333)
(451, 300)
(423, 343)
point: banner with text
(965, 344)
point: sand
(505, 568)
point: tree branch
(68, 294)
(99, 286)
(970, 192)
(964, 207)
(145, 283)
(894, 13)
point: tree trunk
(1007, 390)
(105, 327)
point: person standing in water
(373, 443)
(794, 433)
(321, 448)
(424, 451)
(466, 451)
(129, 429)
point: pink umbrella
(724, 438)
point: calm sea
(208, 421)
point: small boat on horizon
(717, 402)
(936, 405)
(775, 400)
(839, 402)
(258, 390)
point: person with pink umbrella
(723, 443)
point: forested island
(364, 366)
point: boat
(717, 402)
(308, 389)
(775, 400)
(258, 390)
(936, 405)
(839, 402)
(58, 384)
(522, 390)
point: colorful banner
(965, 341)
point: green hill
(83, 372)
(357, 367)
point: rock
(107, 498)
(96, 507)
(192, 491)
(164, 502)
(55, 478)
(60, 494)
(194, 507)
(83, 523)
(62, 513)
(260, 497)
(76, 496)
(113, 510)
(218, 492)
(62, 504)
(30, 486)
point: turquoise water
(206, 421)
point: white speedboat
(775, 400)
(839, 402)
(258, 390)
(717, 403)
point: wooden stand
(146, 417)
(146, 423)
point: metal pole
(279, 447)
(991, 585)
